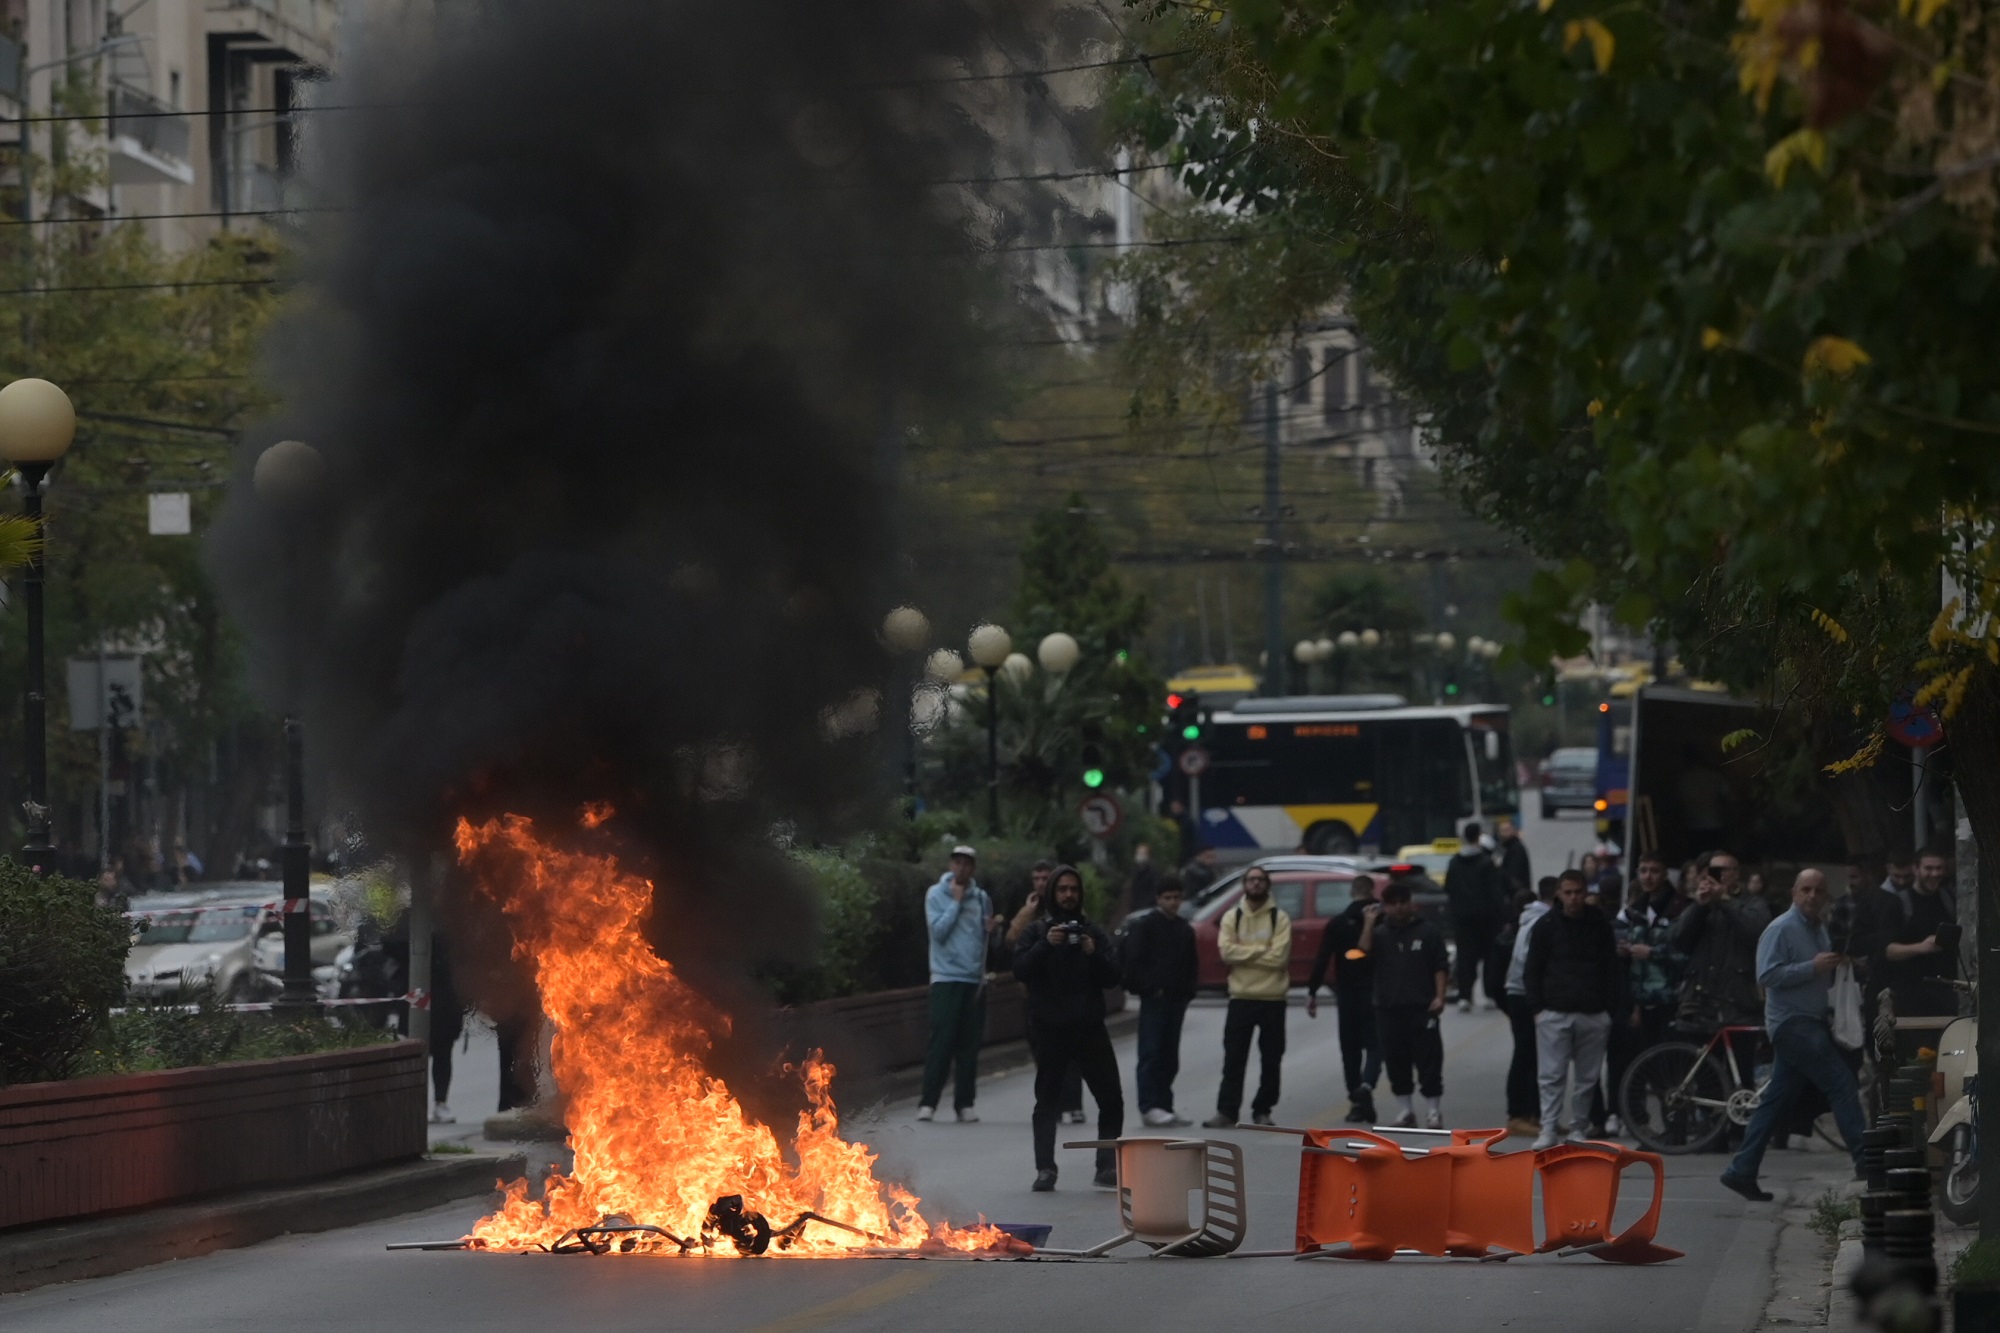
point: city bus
(1333, 775)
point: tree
(1693, 302)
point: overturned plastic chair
(1370, 1194)
(1492, 1196)
(1156, 1178)
(1579, 1194)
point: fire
(658, 1140)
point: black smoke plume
(606, 337)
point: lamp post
(286, 478)
(37, 423)
(990, 647)
(905, 631)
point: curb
(101, 1246)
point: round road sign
(1194, 761)
(1913, 726)
(1102, 815)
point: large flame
(657, 1138)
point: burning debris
(667, 1161)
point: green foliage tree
(62, 966)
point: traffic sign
(1913, 726)
(1194, 761)
(1102, 815)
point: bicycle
(1680, 1097)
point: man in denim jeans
(1795, 963)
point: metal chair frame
(1153, 1185)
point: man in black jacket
(1158, 960)
(1478, 899)
(1066, 964)
(1410, 979)
(1574, 981)
(1346, 946)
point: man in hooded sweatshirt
(1575, 982)
(1524, 1106)
(1477, 895)
(1256, 942)
(1066, 964)
(1410, 979)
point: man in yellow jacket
(1256, 943)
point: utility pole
(1274, 553)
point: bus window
(1493, 758)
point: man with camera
(1066, 964)
(1718, 935)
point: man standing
(1795, 963)
(1144, 886)
(1717, 935)
(961, 919)
(1200, 872)
(1410, 981)
(1919, 963)
(1573, 986)
(1256, 943)
(1478, 901)
(1066, 964)
(1159, 963)
(1651, 973)
(1512, 858)
(1036, 908)
(1347, 946)
(1524, 1106)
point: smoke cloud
(606, 338)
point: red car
(1309, 889)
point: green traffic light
(1191, 733)
(1451, 689)
(1093, 778)
(1548, 701)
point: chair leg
(1107, 1246)
(1171, 1246)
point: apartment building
(198, 99)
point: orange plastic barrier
(1367, 1192)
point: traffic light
(1184, 716)
(1093, 767)
(1548, 691)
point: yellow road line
(915, 1276)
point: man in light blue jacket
(1795, 964)
(960, 918)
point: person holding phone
(1066, 963)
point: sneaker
(1522, 1127)
(1544, 1140)
(1160, 1118)
(1407, 1120)
(1362, 1112)
(1615, 1127)
(1434, 1119)
(1075, 1117)
(1465, 1006)
(967, 1116)
(1747, 1188)
(926, 1112)
(441, 1115)
(1045, 1181)
(1106, 1179)
(1581, 1135)
(1261, 1118)
(1219, 1121)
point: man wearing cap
(961, 919)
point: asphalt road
(344, 1279)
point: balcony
(148, 142)
(301, 29)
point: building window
(1302, 375)
(1338, 364)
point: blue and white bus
(1350, 773)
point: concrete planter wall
(869, 1035)
(101, 1145)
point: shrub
(62, 966)
(203, 1032)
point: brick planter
(101, 1145)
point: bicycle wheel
(1675, 1098)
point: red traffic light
(1173, 701)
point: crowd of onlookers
(1591, 972)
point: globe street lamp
(905, 631)
(990, 647)
(37, 423)
(287, 478)
(1058, 654)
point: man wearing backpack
(1256, 943)
(1478, 900)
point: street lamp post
(37, 423)
(286, 476)
(990, 647)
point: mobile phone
(1948, 936)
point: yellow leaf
(1834, 629)
(1712, 339)
(1503, 263)
(1861, 758)
(1834, 356)
(1940, 76)
(1602, 43)
(1927, 10)
(1799, 146)
(1544, 6)
(1596, 406)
